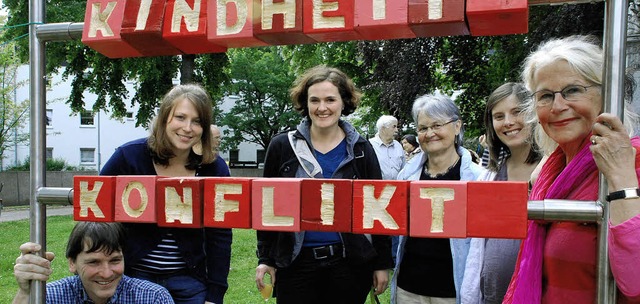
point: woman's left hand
(613, 152)
(380, 281)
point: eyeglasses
(435, 127)
(574, 92)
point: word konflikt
(417, 208)
(133, 28)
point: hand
(613, 153)
(261, 270)
(380, 281)
(483, 141)
(30, 266)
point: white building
(84, 140)
(88, 139)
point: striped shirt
(129, 290)
(166, 258)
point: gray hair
(584, 56)
(438, 107)
(385, 121)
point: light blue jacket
(469, 171)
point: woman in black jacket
(312, 266)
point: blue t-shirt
(329, 162)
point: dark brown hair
(348, 92)
(495, 145)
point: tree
(261, 81)
(13, 113)
(93, 72)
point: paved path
(14, 214)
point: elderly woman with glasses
(557, 260)
(430, 270)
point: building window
(87, 155)
(49, 118)
(233, 156)
(49, 153)
(86, 118)
(260, 155)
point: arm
(218, 255)
(30, 267)
(618, 160)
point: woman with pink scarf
(557, 261)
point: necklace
(437, 175)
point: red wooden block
(93, 198)
(497, 209)
(329, 20)
(497, 17)
(326, 205)
(380, 207)
(179, 202)
(135, 199)
(275, 204)
(142, 27)
(279, 22)
(185, 27)
(227, 202)
(230, 24)
(102, 25)
(438, 209)
(381, 19)
(431, 18)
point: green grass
(242, 288)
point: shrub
(57, 164)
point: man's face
(388, 132)
(215, 138)
(100, 273)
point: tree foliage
(93, 72)
(260, 88)
(13, 113)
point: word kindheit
(133, 28)
(416, 208)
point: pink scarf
(578, 180)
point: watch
(626, 193)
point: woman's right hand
(261, 270)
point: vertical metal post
(37, 94)
(615, 37)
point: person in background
(323, 267)
(390, 155)
(513, 157)
(94, 253)
(192, 263)
(431, 270)
(410, 146)
(557, 260)
(216, 137)
(389, 151)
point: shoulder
(140, 143)
(65, 288)
(142, 291)
(217, 168)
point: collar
(85, 297)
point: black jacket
(277, 248)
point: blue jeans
(184, 289)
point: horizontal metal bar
(565, 210)
(59, 31)
(54, 196)
(559, 2)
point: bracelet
(626, 193)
